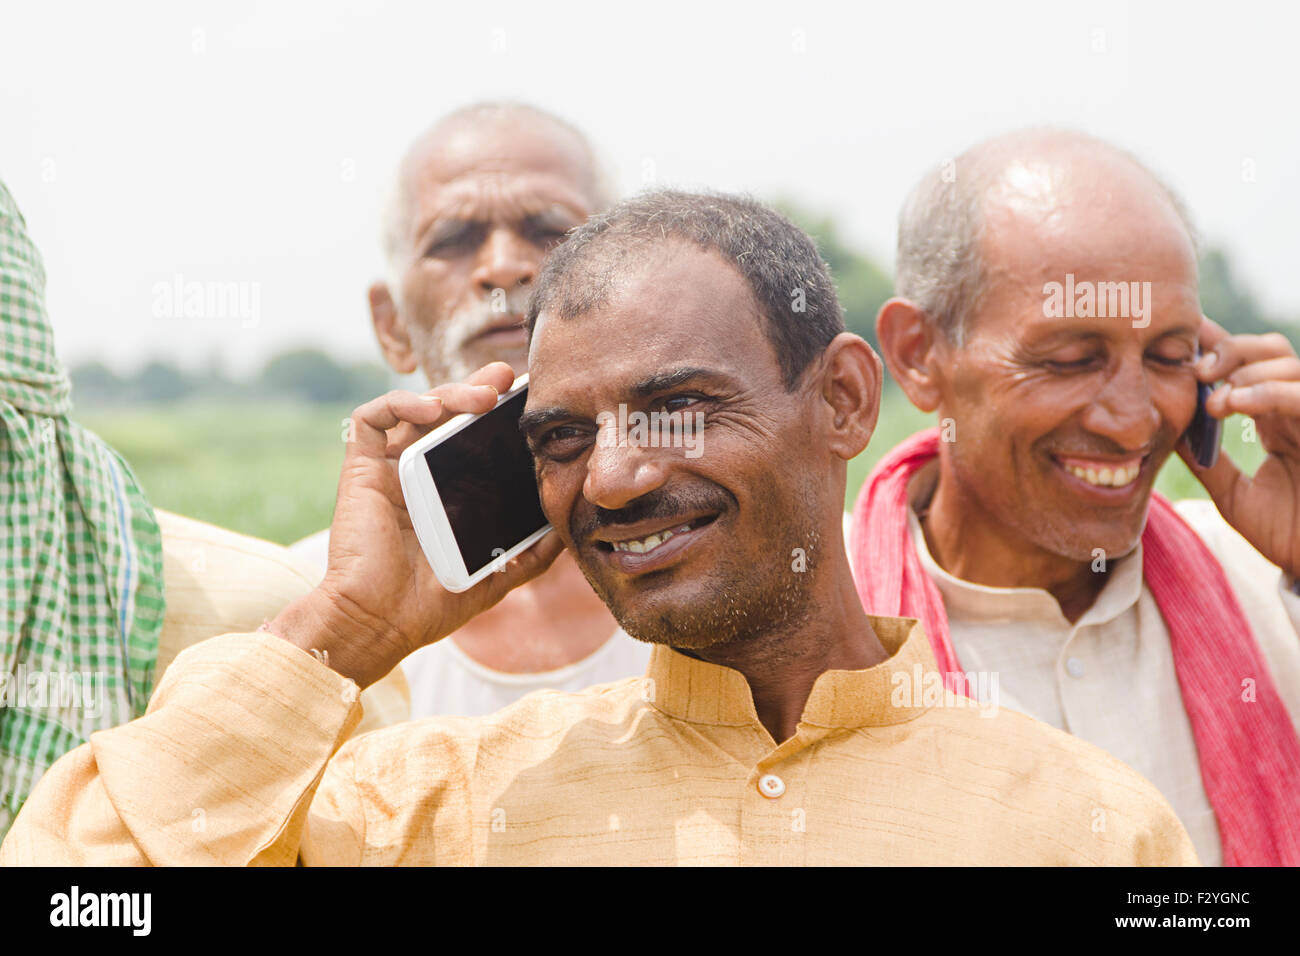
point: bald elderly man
(480, 199)
(1048, 313)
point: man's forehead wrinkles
(505, 199)
(1048, 331)
(507, 178)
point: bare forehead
(504, 149)
(677, 302)
(1046, 213)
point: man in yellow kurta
(777, 723)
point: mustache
(1085, 445)
(479, 316)
(660, 503)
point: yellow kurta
(217, 581)
(233, 765)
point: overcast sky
(157, 144)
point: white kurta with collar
(1109, 677)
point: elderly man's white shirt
(1109, 678)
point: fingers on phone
(499, 375)
(1217, 402)
(372, 424)
(1267, 398)
(464, 397)
(1237, 351)
(1285, 369)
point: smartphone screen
(484, 475)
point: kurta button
(771, 786)
(1074, 667)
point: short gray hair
(791, 284)
(939, 266)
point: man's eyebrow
(1185, 328)
(662, 381)
(650, 385)
(548, 214)
(1046, 334)
(542, 416)
(440, 230)
(553, 216)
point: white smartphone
(471, 492)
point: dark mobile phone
(1205, 432)
(485, 480)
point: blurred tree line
(306, 375)
(311, 376)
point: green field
(265, 470)
(271, 470)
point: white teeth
(648, 543)
(1106, 477)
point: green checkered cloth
(79, 546)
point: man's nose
(1124, 411)
(619, 474)
(506, 260)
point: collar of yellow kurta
(704, 693)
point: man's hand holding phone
(379, 600)
(1261, 378)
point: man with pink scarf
(1048, 312)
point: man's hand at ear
(379, 600)
(1261, 376)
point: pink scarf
(1249, 754)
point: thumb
(522, 568)
(1222, 479)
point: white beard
(441, 350)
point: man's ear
(851, 379)
(390, 330)
(908, 339)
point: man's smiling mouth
(647, 543)
(1099, 473)
(645, 547)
